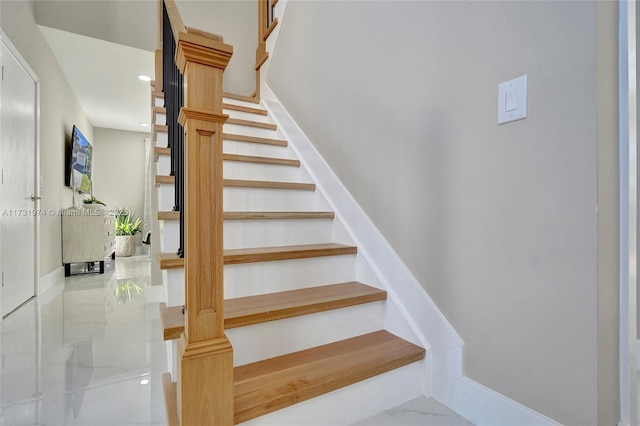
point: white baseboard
(638, 355)
(48, 281)
(444, 347)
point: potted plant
(92, 203)
(127, 226)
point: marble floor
(421, 411)
(89, 352)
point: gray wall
(237, 22)
(132, 22)
(59, 111)
(119, 174)
(498, 223)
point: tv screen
(81, 159)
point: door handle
(34, 198)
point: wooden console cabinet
(88, 235)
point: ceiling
(104, 77)
(103, 45)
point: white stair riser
(170, 231)
(251, 131)
(244, 170)
(270, 339)
(162, 139)
(166, 197)
(159, 118)
(232, 113)
(249, 279)
(262, 233)
(163, 166)
(256, 199)
(258, 171)
(257, 233)
(159, 102)
(257, 149)
(175, 286)
(352, 403)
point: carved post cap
(202, 50)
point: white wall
(498, 223)
(119, 174)
(237, 22)
(59, 111)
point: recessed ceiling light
(144, 382)
(144, 124)
(144, 77)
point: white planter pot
(125, 245)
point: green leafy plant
(93, 200)
(126, 223)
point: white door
(18, 136)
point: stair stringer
(411, 313)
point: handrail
(193, 69)
(267, 21)
(177, 26)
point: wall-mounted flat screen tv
(79, 177)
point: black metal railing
(173, 102)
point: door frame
(4, 39)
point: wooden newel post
(205, 364)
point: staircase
(301, 325)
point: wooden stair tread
(241, 183)
(243, 311)
(266, 254)
(263, 184)
(276, 215)
(172, 320)
(251, 123)
(254, 139)
(158, 151)
(250, 110)
(164, 180)
(159, 128)
(168, 215)
(261, 160)
(170, 390)
(170, 261)
(173, 215)
(251, 99)
(266, 386)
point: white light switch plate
(512, 100)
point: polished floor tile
(87, 352)
(420, 411)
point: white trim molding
(48, 281)
(445, 380)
